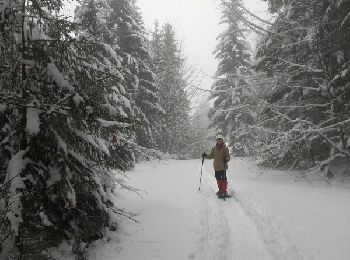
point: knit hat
(219, 137)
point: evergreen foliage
(171, 78)
(66, 121)
(79, 100)
(129, 33)
(306, 108)
(231, 113)
(118, 23)
(299, 106)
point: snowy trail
(227, 232)
(252, 233)
(178, 222)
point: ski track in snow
(226, 232)
(243, 230)
(276, 241)
(178, 222)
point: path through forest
(269, 217)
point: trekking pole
(200, 180)
(225, 179)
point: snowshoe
(223, 195)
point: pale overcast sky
(197, 25)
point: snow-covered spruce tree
(299, 116)
(283, 55)
(232, 112)
(92, 17)
(334, 48)
(169, 68)
(129, 37)
(60, 99)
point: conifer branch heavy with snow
(299, 106)
(67, 120)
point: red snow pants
(222, 181)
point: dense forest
(84, 99)
(285, 102)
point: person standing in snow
(221, 156)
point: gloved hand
(204, 155)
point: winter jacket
(219, 155)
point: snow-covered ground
(269, 217)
